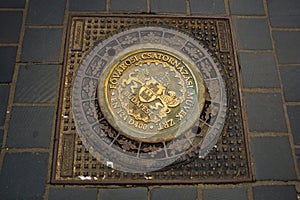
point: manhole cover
(158, 101)
(149, 87)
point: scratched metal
(219, 151)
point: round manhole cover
(151, 94)
(148, 97)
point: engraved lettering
(78, 34)
(114, 103)
(181, 114)
(223, 38)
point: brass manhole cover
(150, 95)
(148, 101)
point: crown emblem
(162, 78)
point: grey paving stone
(7, 63)
(1, 138)
(297, 152)
(265, 112)
(187, 193)
(225, 194)
(10, 23)
(259, 70)
(12, 3)
(41, 12)
(24, 176)
(272, 158)
(72, 193)
(294, 117)
(290, 81)
(37, 83)
(87, 5)
(30, 127)
(247, 7)
(207, 7)
(123, 194)
(4, 94)
(253, 34)
(284, 13)
(42, 45)
(129, 5)
(287, 44)
(168, 6)
(275, 192)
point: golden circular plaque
(151, 94)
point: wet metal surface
(94, 43)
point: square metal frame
(231, 149)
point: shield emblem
(146, 94)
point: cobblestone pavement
(32, 40)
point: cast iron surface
(149, 86)
(227, 161)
